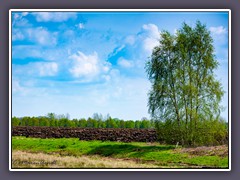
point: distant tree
(63, 122)
(121, 124)
(117, 122)
(107, 117)
(145, 124)
(43, 121)
(26, 121)
(52, 119)
(110, 123)
(144, 118)
(103, 124)
(97, 116)
(15, 121)
(35, 121)
(129, 124)
(82, 123)
(92, 123)
(75, 122)
(137, 124)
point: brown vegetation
(104, 134)
(21, 159)
(221, 151)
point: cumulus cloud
(39, 69)
(130, 40)
(87, 66)
(219, 34)
(125, 63)
(152, 35)
(47, 69)
(25, 13)
(134, 50)
(17, 35)
(26, 51)
(16, 86)
(218, 30)
(152, 30)
(42, 36)
(149, 44)
(84, 65)
(19, 20)
(54, 16)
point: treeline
(96, 121)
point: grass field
(72, 153)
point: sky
(82, 63)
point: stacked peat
(103, 134)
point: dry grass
(21, 159)
(221, 151)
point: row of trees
(97, 121)
(185, 95)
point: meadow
(75, 153)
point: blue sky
(86, 62)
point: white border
(118, 10)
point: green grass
(162, 155)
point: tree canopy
(185, 95)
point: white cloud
(149, 35)
(17, 35)
(125, 63)
(25, 51)
(25, 13)
(149, 44)
(130, 40)
(42, 36)
(175, 31)
(69, 34)
(16, 16)
(36, 69)
(219, 34)
(152, 30)
(84, 65)
(152, 35)
(47, 69)
(128, 94)
(19, 20)
(137, 47)
(22, 30)
(107, 78)
(16, 86)
(117, 50)
(218, 30)
(80, 25)
(54, 16)
(87, 66)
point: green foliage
(15, 121)
(185, 96)
(129, 124)
(82, 123)
(92, 123)
(110, 123)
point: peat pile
(103, 134)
